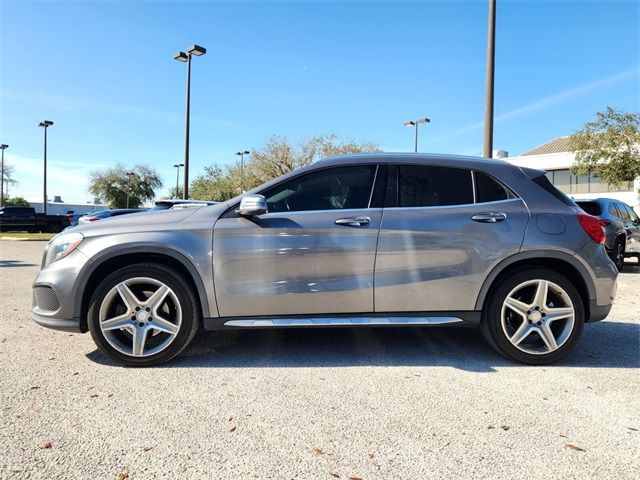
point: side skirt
(401, 319)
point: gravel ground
(341, 403)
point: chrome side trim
(339, 321)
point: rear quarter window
(592, 208)
(490, 190)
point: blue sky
(104, 73)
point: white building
(556, 159)
(58, 207)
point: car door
(631, 225)
(312, 252)
(442, 236)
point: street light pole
(177, 166)
(488, 105)
(45, 124)
(2, 147)
(186, 57)
(415, 123)
(129, 175)
(242, 154)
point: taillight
(604, 223)
(592, 226)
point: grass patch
(27, 236)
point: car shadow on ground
(606, 344)
(631, 267)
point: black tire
(491, 323)
(617, 254)
(191, 316)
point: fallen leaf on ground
(46, 445)
(319, 451)
(564, 436)
(75, 373)
(573, 447)
(334, 475)
(371, 455)
(146, 449)
(94, 395)
(490, 427)
(123, 475)
(232, 429)
(355, 478)
(632, 429)
(230, 418)
(34, 388)
(545, 398)
(505, 427)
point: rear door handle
(353, 222)
(491, 217)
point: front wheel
(533, 316)
(143, 315)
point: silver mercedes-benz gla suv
(359, 240)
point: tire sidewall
(176, 282)
(492, 324)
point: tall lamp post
(129, 175)
(177, 166)
(186, 57)
(45, 124)
(488, 103)
(241, 154)
(415, 123)
(2, 147)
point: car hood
(150, 220)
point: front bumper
(55, 307)
(71, 325)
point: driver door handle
(353, 222)
(491, 217)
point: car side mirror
(252, 205)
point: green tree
(16, 202)
(609, 146)
(280, 156)
(7, 177)
(277, 157)
(113, 185)
(215, 184)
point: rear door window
(623, 212)
(431, 186)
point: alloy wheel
(537, 316)
(140, 317)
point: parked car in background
(73, 218)
(177, 203)
(26, 219)
(621, 227)
(352, 241)
(93, 217)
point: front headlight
(62, 245)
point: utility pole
(488, 106)
(415, 123)
(241, 154)
(177, 167)
(186, 58)
(2, 147)
(45, 124)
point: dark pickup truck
(26, 219)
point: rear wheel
(533, 316)
(617, 254)
(143, 315)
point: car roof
(412, 158)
